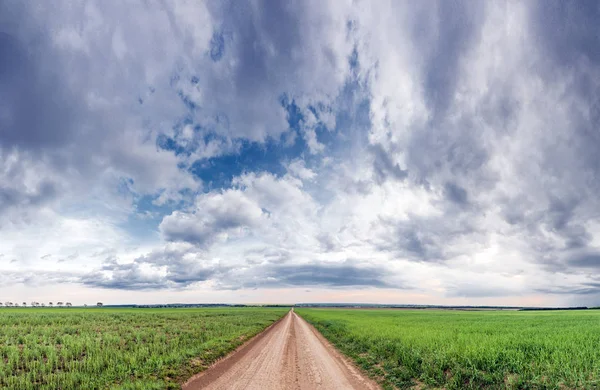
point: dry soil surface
(289, 355)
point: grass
(468, 349)
(119, 348)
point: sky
(300, 151)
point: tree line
(42, 304)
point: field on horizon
(118, 348)
(468, 349)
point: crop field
(119, 348)
(468, 349)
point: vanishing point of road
(290, 354)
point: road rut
(289, 355)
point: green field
(119, 348)
(468, 349)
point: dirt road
(289, 355)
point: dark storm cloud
(456, 31)
(384, 166)
(444, 35)
(179, 275)
(479, 291)
(560, 213)
(264, 39)
(568, 33)
(12, 196)
(426, 239)
(415, 244)
(412, 241)
(186, 267)
(591, 288)
(584, 260)
(452, 152)
(327, 241)
(278, 23)
(178, 231)
(329, 275)
(37, 105)
(69, 111)
(442, 148)
(41, 118)
(456, 193)
(157, 270)
(346, 274)
(128, 276)
(568, 30)
(566, 219)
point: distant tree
(99, 304)
(50, 304)
(59, 304)
(0, 303)
(43, 304)
(85, 305)
(24, 303)
(68, 304)
(16, 304)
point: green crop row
(119, 348)
(468, 349)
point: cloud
(125, 277)
(180, 266)
(174, 267)
(62, 128)
(336, 145)
(456, 193)
(384, 165)
(22, 189)
(336, 275)
(214, 215)
(587, 259)
(36, 278)
(478, 291)
(298, 168)
(24, 84)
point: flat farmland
(119, 348)
(468, 349)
